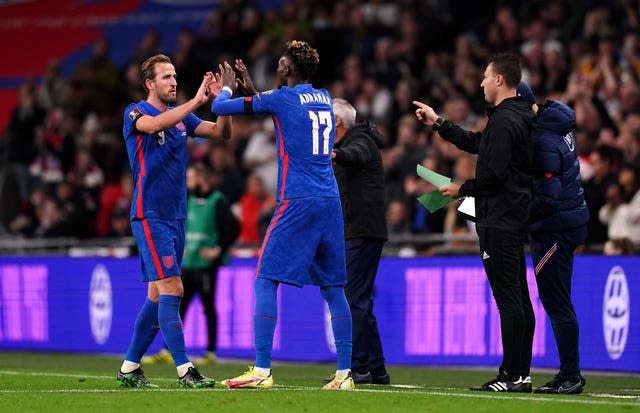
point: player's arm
(357, 153)
(466, 140)
(154, 124)
(221, 129)
(225, 105)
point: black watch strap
(438, 123)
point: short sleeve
(192, 122)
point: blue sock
(144, 331)
(264, 321)
(171, 327)
(340, 323)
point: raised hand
(246, 84)
(425, 113)
(215, 86)
(228, 76)
(201, 96)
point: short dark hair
(508, 66)
(147, 69)
(304, 57)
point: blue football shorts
(304, 244)
(160, 246)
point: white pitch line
(416, 390)
(76, 376)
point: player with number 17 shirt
(304, 243)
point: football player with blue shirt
(155, 134)
(304, 244)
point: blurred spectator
(400, 160)
(21, 134)
(50, 221)
(119, 223)
(26, 221)
(455, 222)
(113, 195)
(86, 173)
(95, 83)
(54, 90)
(597, 193)
(619, 246)
(228, 174)
(77, 210)
(397, 220)
(629, 182)
(260, 156)
(254, 210)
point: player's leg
(328, 271)
(164, 356)
(146, 325)
(553, 260)
(341, 326)
(266, 314)
(145, 330)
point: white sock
(183, 368)
(342, 374)
(261, 371)
(129, 366)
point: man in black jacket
(502, 188)
(358, 170)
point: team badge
(568, 139)
(167, 261)
(180, 126)
(135, 114)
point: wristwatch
(438, 123)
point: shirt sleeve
(192, 122)
(263, 102)
(131, 115)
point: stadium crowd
(65, 151)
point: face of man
(489, 84)
(165, 82)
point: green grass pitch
(46, 382)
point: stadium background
(69, 67)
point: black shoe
(503, 384)
(361, 378)
(194, 379)
(135, 378)
(560, 385)
(382, 379)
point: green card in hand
(434, 200)
(432, 177)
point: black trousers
(552, 255)
(203, 282)
(362, 256)
(502, 254)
